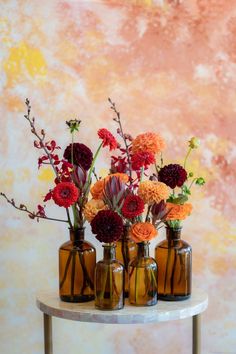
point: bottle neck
(173, 234)
(143, 249)
(109, 252)
(77, 235)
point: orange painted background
(170, 66)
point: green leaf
(186, 190)
(181, 199)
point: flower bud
(194, 143)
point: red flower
(142, 159)
(65, 194)
(132, 207)
(107, 225)
(108, 139)
(172, 175)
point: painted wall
(170, 66)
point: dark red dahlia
(172, 175)
(142, 159)
(65, 194)
(107, 225)
(108, 139)
(82, 155)
(133, 206)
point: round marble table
(51, 305)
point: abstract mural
(170, 66)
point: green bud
(73, 125)
(194, 143)
(190, 174)
(200, 181)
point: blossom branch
(31, 214)
(118, 120)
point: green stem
(141, 175)
(85, 272)
(72, 285)
(93, 162)
(66, 270)
(136, 285)
(110, 281)
(167, 266)
(186, 157)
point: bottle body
(143, 278)
(109, 281)
(174, 258)
(77, 260)
(126, 250)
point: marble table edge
(163, 311)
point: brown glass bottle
(174, 259)
(77, 260)
(109, 281)
(126, 250)
(143, 278)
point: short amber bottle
(143, 278)
(77, 260)
(174, 258)
(126, 250)
(109, 281)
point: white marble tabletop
(51, 305)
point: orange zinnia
(148, 142)
(178, 211)
(97, 189)
(142, 231)
(153, 191)
(122, 176)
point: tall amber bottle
(174, 259)
(126, 250)
(143, 278)
(77, 260)
(109, 281)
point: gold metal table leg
(47, 320)
(197, 334)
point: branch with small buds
(40, 214)
(125, 137)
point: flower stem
(187, 155)
(93, 162)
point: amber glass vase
(109, 281)
(77, 260)
(126, 250)
(174, 259)
(143, 278)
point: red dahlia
(172, 175)
(108, 139)
(65, 194)
(142, 159)
(82, 155)
(107, 225)
(133, 206)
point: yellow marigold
(178, 211)
(92, 208)
(153, 191)
(122, 176)
(97, 189)
(142, 231)
(150, 142)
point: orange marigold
(97, 189)
(148, 142)
(142, 231)
(92, 208)
(153, 191)
(178, 211)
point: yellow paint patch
(46, 175)
(24, 175)
(24, 60)
(14, 103)
(7, 179)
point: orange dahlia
(92, 208)
(153, 191)
(142, 231)
(97, 189)
(178, 211)
(148, 142)
(122, 176)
